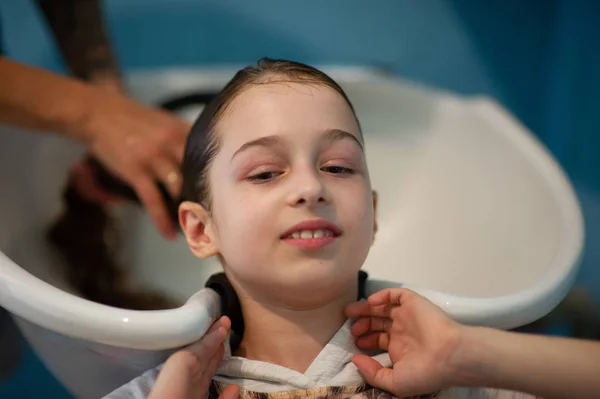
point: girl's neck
(291, 337)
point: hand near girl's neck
(292, 337)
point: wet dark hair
(87, 239)
(203, 141)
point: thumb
(374, 373)
(230, 392)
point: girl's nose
(307, 189)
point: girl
(276, 185)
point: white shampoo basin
(474, 213)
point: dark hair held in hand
(87, 238)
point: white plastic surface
(473, 213)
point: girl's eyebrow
(266, 141)
(337, 134)
(272, 141)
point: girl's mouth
(312, 234)
(307, 234)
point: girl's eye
(264, 176)
(338, 170)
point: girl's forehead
(285, 109)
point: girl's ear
(197, 226)
(375, 201)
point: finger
(167, 171)
(198, 347)
(171, 383)
(376, 340)
(150, 197)
(360, 326)
(176, 378)
(211, 367)
(178, 151)
(223, 324)
(365, 308)
(85, 183)
(230, 392)
(181, 376)
(184, 371)
(391, 296)
(207, 347)
(374, 373)
(222, 321)
(357, 309)
(373, 324)
(178, 132)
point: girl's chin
(313, 278)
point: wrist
(99, 92)
(109, 82)
(83, 122)
(469, 365)
(77, 121)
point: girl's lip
(312, 225)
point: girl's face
(292, 211)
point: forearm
(79, 29)
(553, 368)
(33, 98)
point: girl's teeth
(307, 234)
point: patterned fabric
(364, 391)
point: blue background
(539, 58)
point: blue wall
(501, 48)
(538, 57)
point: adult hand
(188, 373)
(419, 337)
(140, 145)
